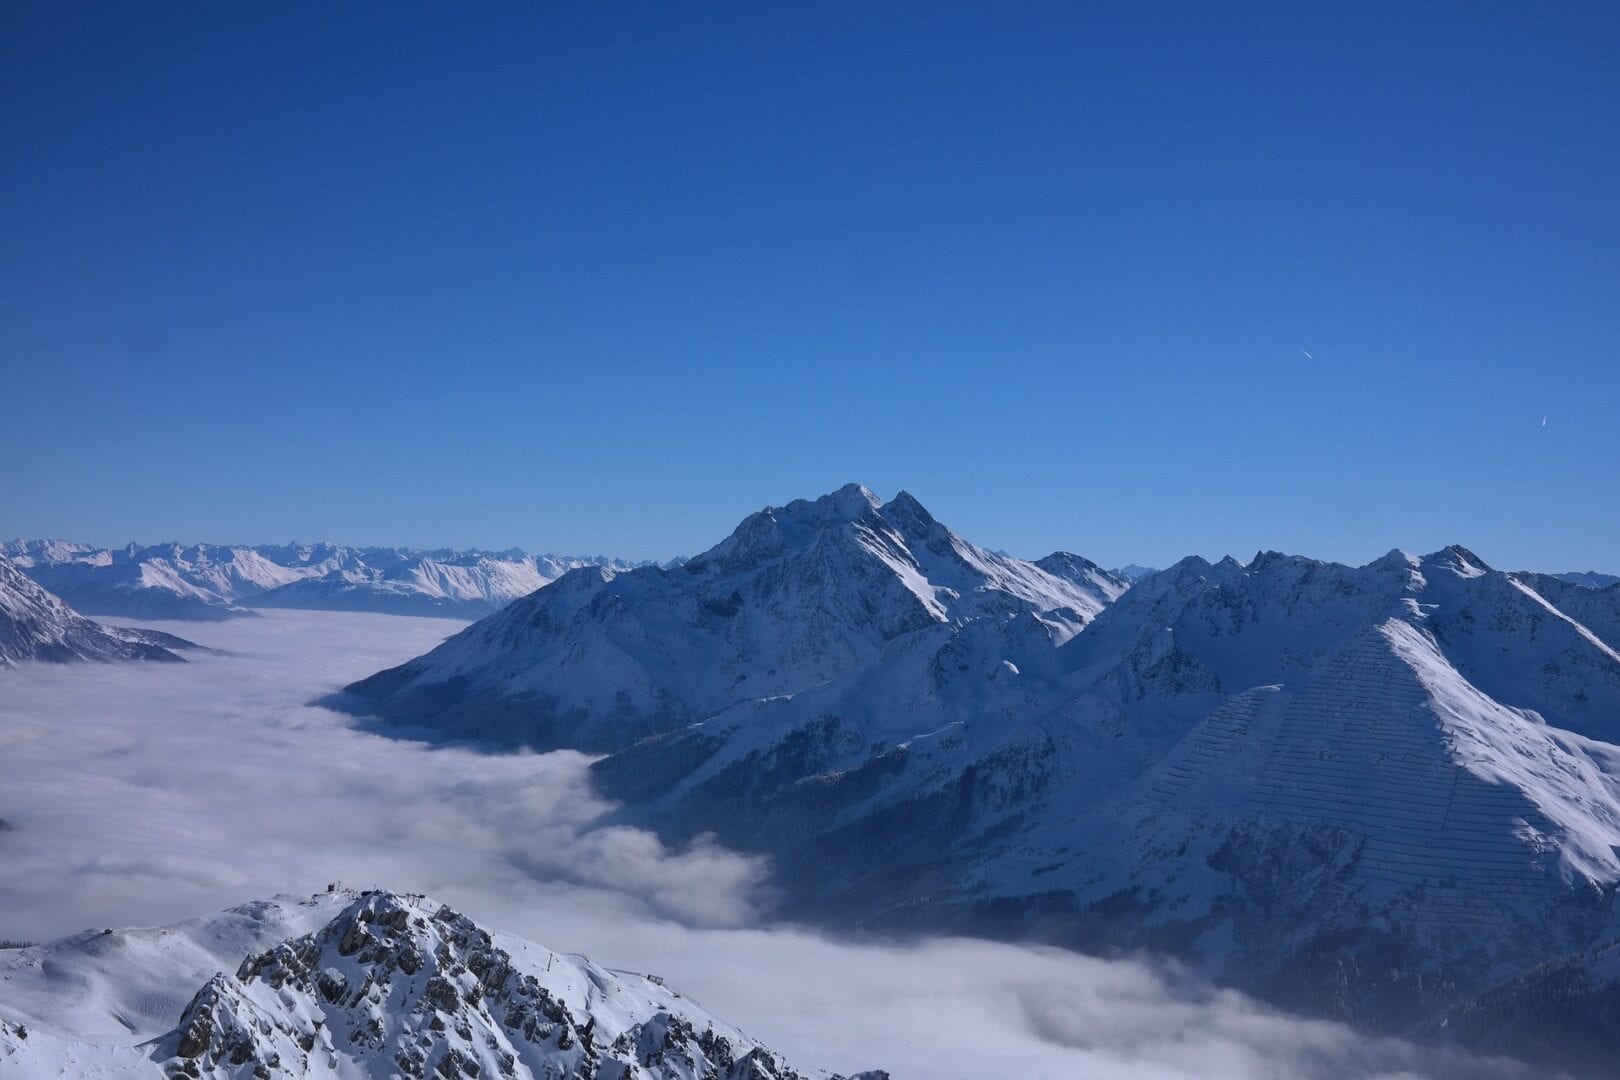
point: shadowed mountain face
(1376, 793)
(344, 985)
(34, 625)
(796, 596)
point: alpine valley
(1388, 794)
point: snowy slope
(208, 581)
(1590, 578)
(462, 585)
(163, 581)
(1369, 792)
(345, 985)
(34, 625)
(1104, 585)
(796, 596)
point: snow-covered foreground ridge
(211, 581)
(1375, 793)
(347, 985)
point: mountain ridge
(212, 581)
(1269, 769)
(794, 596)
(350, 983)
(1238, 765)
(36, 625)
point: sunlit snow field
(145, 793)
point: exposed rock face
(402, 986)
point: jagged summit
(776, 529)
(796, 596)
(363, 984)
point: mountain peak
(848, 502)
(382, 984)
(767, 533)
(1459, 560)
(412, 984)
(796, 596)
(1069, 560)
(906, 503)
(1395, 559)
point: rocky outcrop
(389, 985)
(407, 986)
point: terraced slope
(1369, 792)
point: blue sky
(1187, 278)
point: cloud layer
(142, 794)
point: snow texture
(142, 792)
(211, 582)
(1371, 793)
(797, 596)
(345, 985)
(35, 625)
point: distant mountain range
(215, 581)
(208, 581)
(36, 625)
(1388, 793)
(1590, 578)
(344, 985)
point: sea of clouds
(140, 794)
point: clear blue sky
(606, 277)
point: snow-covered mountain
(35, 625)
(459, 584)
(796, 596)
(208, 581)
(1374, 793)
(1590, 578)
(345, 985)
